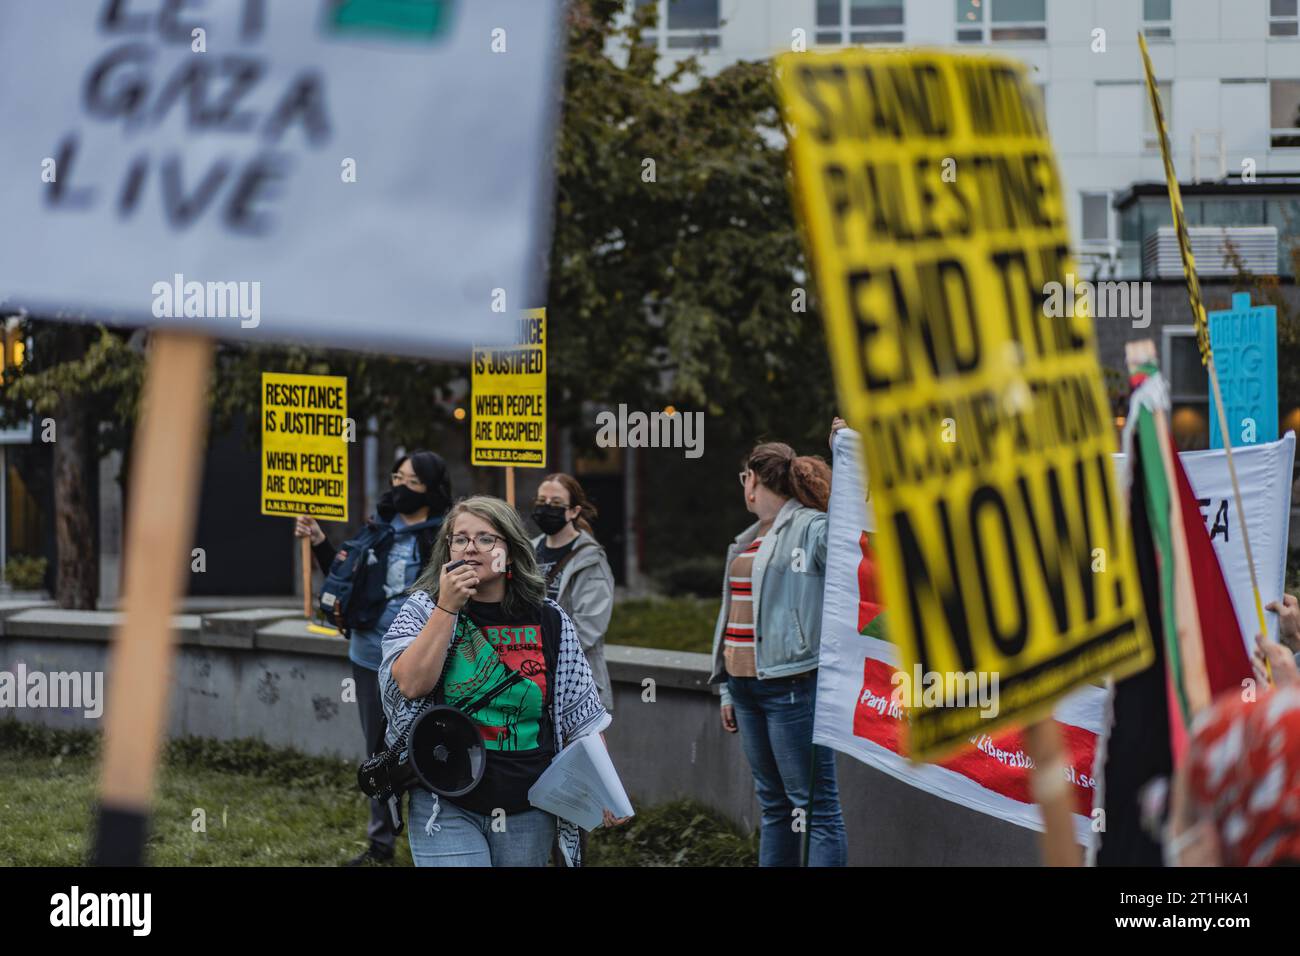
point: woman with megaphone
(479, 634)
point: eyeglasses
(744, 475)
(414, 483)
(553, 502)
(483, 542)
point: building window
(1150, 135)
(981, 21)
(691, 24)
(1157, 17)
(1282, 18)
(864, 21)
(1284, 112)
(1096, 217)
(1189, 389)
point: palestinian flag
(871, 613)
(1199, 648)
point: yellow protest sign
(305, 430)
(931, 202)
(509, 386)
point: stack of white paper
(581, 784)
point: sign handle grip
(160, 528)
(305, 555)
(1051, 790)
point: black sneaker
(375, 855)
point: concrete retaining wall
(261, 674)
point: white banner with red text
(857, 712)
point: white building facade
(1229, 72)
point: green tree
(85, 381)
(682, 281)
(677, 275)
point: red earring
(509, 573)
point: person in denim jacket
(765, 649)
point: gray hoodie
(587, 596)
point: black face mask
(550, 518)
(407, 501)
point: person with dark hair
(415, 505)
(577, 573)
(765, 649)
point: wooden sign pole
(1052, 792)
(164, 488)
(510, 485)
(306, 577)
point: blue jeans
(775, 719)
(465, 838)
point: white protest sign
(855, 713)
(1264, 473)
(351, 172)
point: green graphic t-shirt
(497, 674)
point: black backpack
(352, 596)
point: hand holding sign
(1288, 621)
(836, 424)
(1272, 657)
(307, 527)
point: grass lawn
(267, 807)
(673, 624)
(261, 807)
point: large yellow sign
(304, 445)
(509, 393)
(932, 206)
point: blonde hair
(525, 587)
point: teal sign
(407, 18)
(1244, 341)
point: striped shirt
(738, 638)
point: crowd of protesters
(464, 579)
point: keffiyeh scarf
(576, 709)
